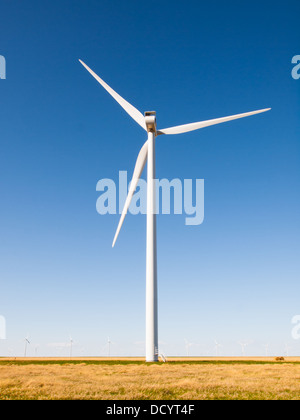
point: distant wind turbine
(187, 346)
(243, 345)
(287, 348)
(266, 346)
(108, 345)
(71, 345)
(147, 154)
(26, 342)
(10, 351)
(217, 347)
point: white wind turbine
(71, 345)
(147, 154)
(217, 347)
(266, 346)
(107, 347)
(187, 346)
(287, 348)
(243, 345)
(109, 343)
(36, 349)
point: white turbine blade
(139, 166)
(195, 126)
(131, 110)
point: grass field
(179, 378)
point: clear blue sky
(233, 278)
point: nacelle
(150, 120)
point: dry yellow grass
(86, 379)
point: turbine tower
(71, 346)
(109, 343)
(147, 154)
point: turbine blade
(131, 110)
(195, 126)
(139, 166)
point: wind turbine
(243, 345)
(71, 346)
(217, 347)
(36, 349)
(266, 346)
(187, 346)
(108, 345)
(287, 348)
(26, 342)
(147, 154)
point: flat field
(133, 379)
